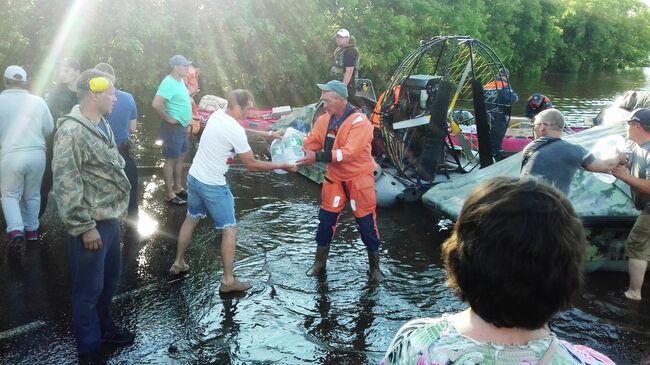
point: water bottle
(292, 146)
(277, 154)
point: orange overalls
(349, 176)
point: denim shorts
(175, 139)
(216, 200)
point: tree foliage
(280, 48)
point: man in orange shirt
(191, 80)
(342, 138)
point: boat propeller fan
(434, 114)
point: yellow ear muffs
(98, 84)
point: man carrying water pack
(555, 160)
(636, 175)
(208, 191)
(342, 138)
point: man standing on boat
(342, 138)
(345, 61)
(552, 159)
(499, 98)
(172, 103)
(208, 192)
(637, 177)
(536, 104)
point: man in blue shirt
(123, 120)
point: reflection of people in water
(331, 327)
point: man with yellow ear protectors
(98, 84)
(92, 194)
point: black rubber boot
(320, 262)
(373, 265)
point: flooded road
(287, 317)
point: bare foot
(177, 269)
(632, 295)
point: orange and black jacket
(349, 154)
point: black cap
(641, 116)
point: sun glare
(65, 43)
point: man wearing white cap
(345, 60)
(26, 121)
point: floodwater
(287, 317)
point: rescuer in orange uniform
(341, 137)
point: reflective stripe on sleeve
(339, 155)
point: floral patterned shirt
(429, 341)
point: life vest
(497, 84)
(338, 68)
(379, 107)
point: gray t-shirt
(639, 166)
(555, 162)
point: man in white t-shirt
(208, 191)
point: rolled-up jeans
(95, 278)
(20, 185)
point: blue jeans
(20, 184)
(175, 139)
(217, 200)
(95, 277)
(131, 171)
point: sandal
(175, 269)
(182, 194)
(175, 201)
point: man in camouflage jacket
(92, 193)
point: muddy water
(286, 318)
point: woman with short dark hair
(516, 257)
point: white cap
(343, 33)
(15, 73)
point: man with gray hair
(342, 138)
(555, 160)
(26, 121)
